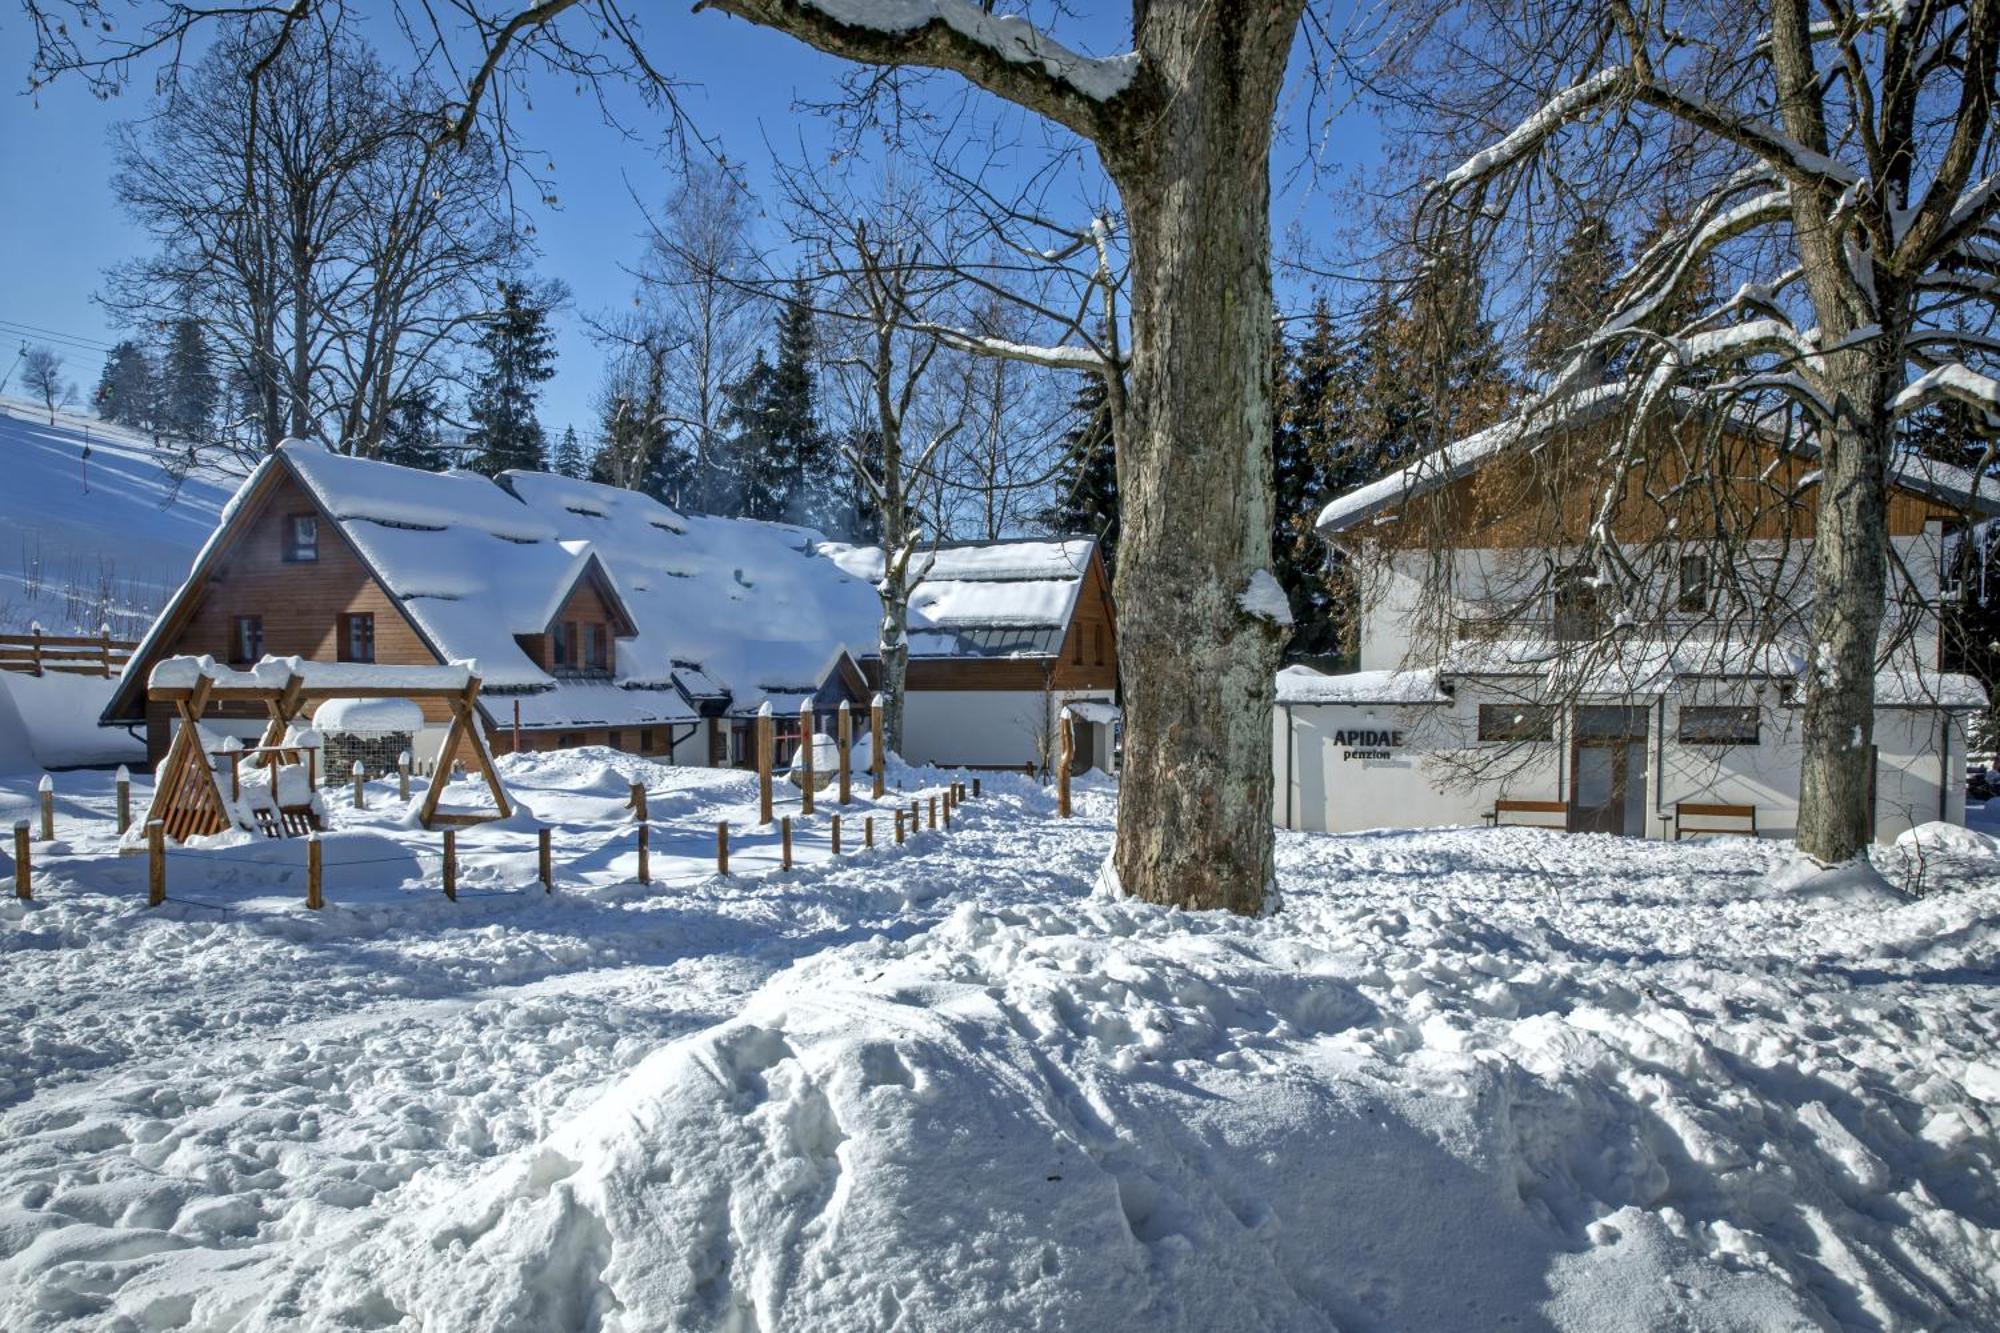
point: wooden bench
(1745, 814)
(1503, 808)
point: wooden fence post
(403, 776)
(451, 864)
(933, 822)
(868, 831)
(23, 874)
(645, 854)
(916, 815)
(899, 826)
(1062, 764)
(517, 722)
(156, 862)
(360, 777)
(846, 743)
(786, 833)
(47, 787)
(638, 801)
(975, 787)
(314, 899)
(806, 748)
(722, 847)
(876, 760)
(38, 648)
(124, 800)
(764, 762)
(835, 831)
(947, 806)
(544, 862)
(104, 651)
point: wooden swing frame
(188, 801)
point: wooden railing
(76, 654)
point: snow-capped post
(846, 744)
(722, 847)
(806, 748)
(156, 862)
(899, 826)
(785, 832)
(764, 762)
(360, 778)
(451, 864)
(1068, 749)
(835, 834)
(645, 852)
(403, 776)
(314, 899)
(544, 862)
(22, 874)
(876, 766)
(36, 630)
(47, 787)
(124, 799)
(868, 831)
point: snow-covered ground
(1465, 1079)
(96, 542)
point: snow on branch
(978, 344)
(1003, 53)
(1527, 136)
(1949, 381)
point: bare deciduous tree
(41, 372)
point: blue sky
(61, 228)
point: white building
(1505, 678)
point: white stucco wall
(983, 728)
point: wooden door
(1598, 771)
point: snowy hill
(96, 544)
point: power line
(35, 333)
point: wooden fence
(76, 654)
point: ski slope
(102, 541)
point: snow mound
(1855, 882)
(1941, 839)
(368, 717)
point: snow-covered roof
(1303, 685)
(724, 606)
(986, 599)
(1941, 481)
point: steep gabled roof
(1010, 598)
(1912, 472)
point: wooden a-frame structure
(188, 799)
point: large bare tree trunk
(1194, 470)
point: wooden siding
(1551, 496)
(585, 608)
(1092, 635)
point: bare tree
(1840, 163)
(41, 372)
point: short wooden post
(786, 833)
(314, 898)
(23, 875)
(47, 787)
(722, 847)
(876, 764)
(975, 787)
(764, 763)
(543, 861)
(933, 821)
(947, 806)
(899, 826)
(451, 864)
(104, 651)
(806, 757)
(638, 801)
(38, 655)
(835, 833)
(1062, 764)
(517, 722)
(868, 831)
(156, 862)
(124, 800)
(846, 742)
(403, 776)
(360, 793)
(916, 815)
(645, 853)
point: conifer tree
(1574, 298)
(520, 356)
(412, 437)
(128, 391)
(1087, 487)
(788, 467)
(569, 460)
(189, 390)
(1312, 463)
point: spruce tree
(1087, 486)
(412, 437)
(1311, 463)
(189, 390)
(569, 460)
(520, 355)
(789, 468)
(128, 391)
(1575, 299)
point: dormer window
(565, 636)
(302, 538)
(598, 657)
